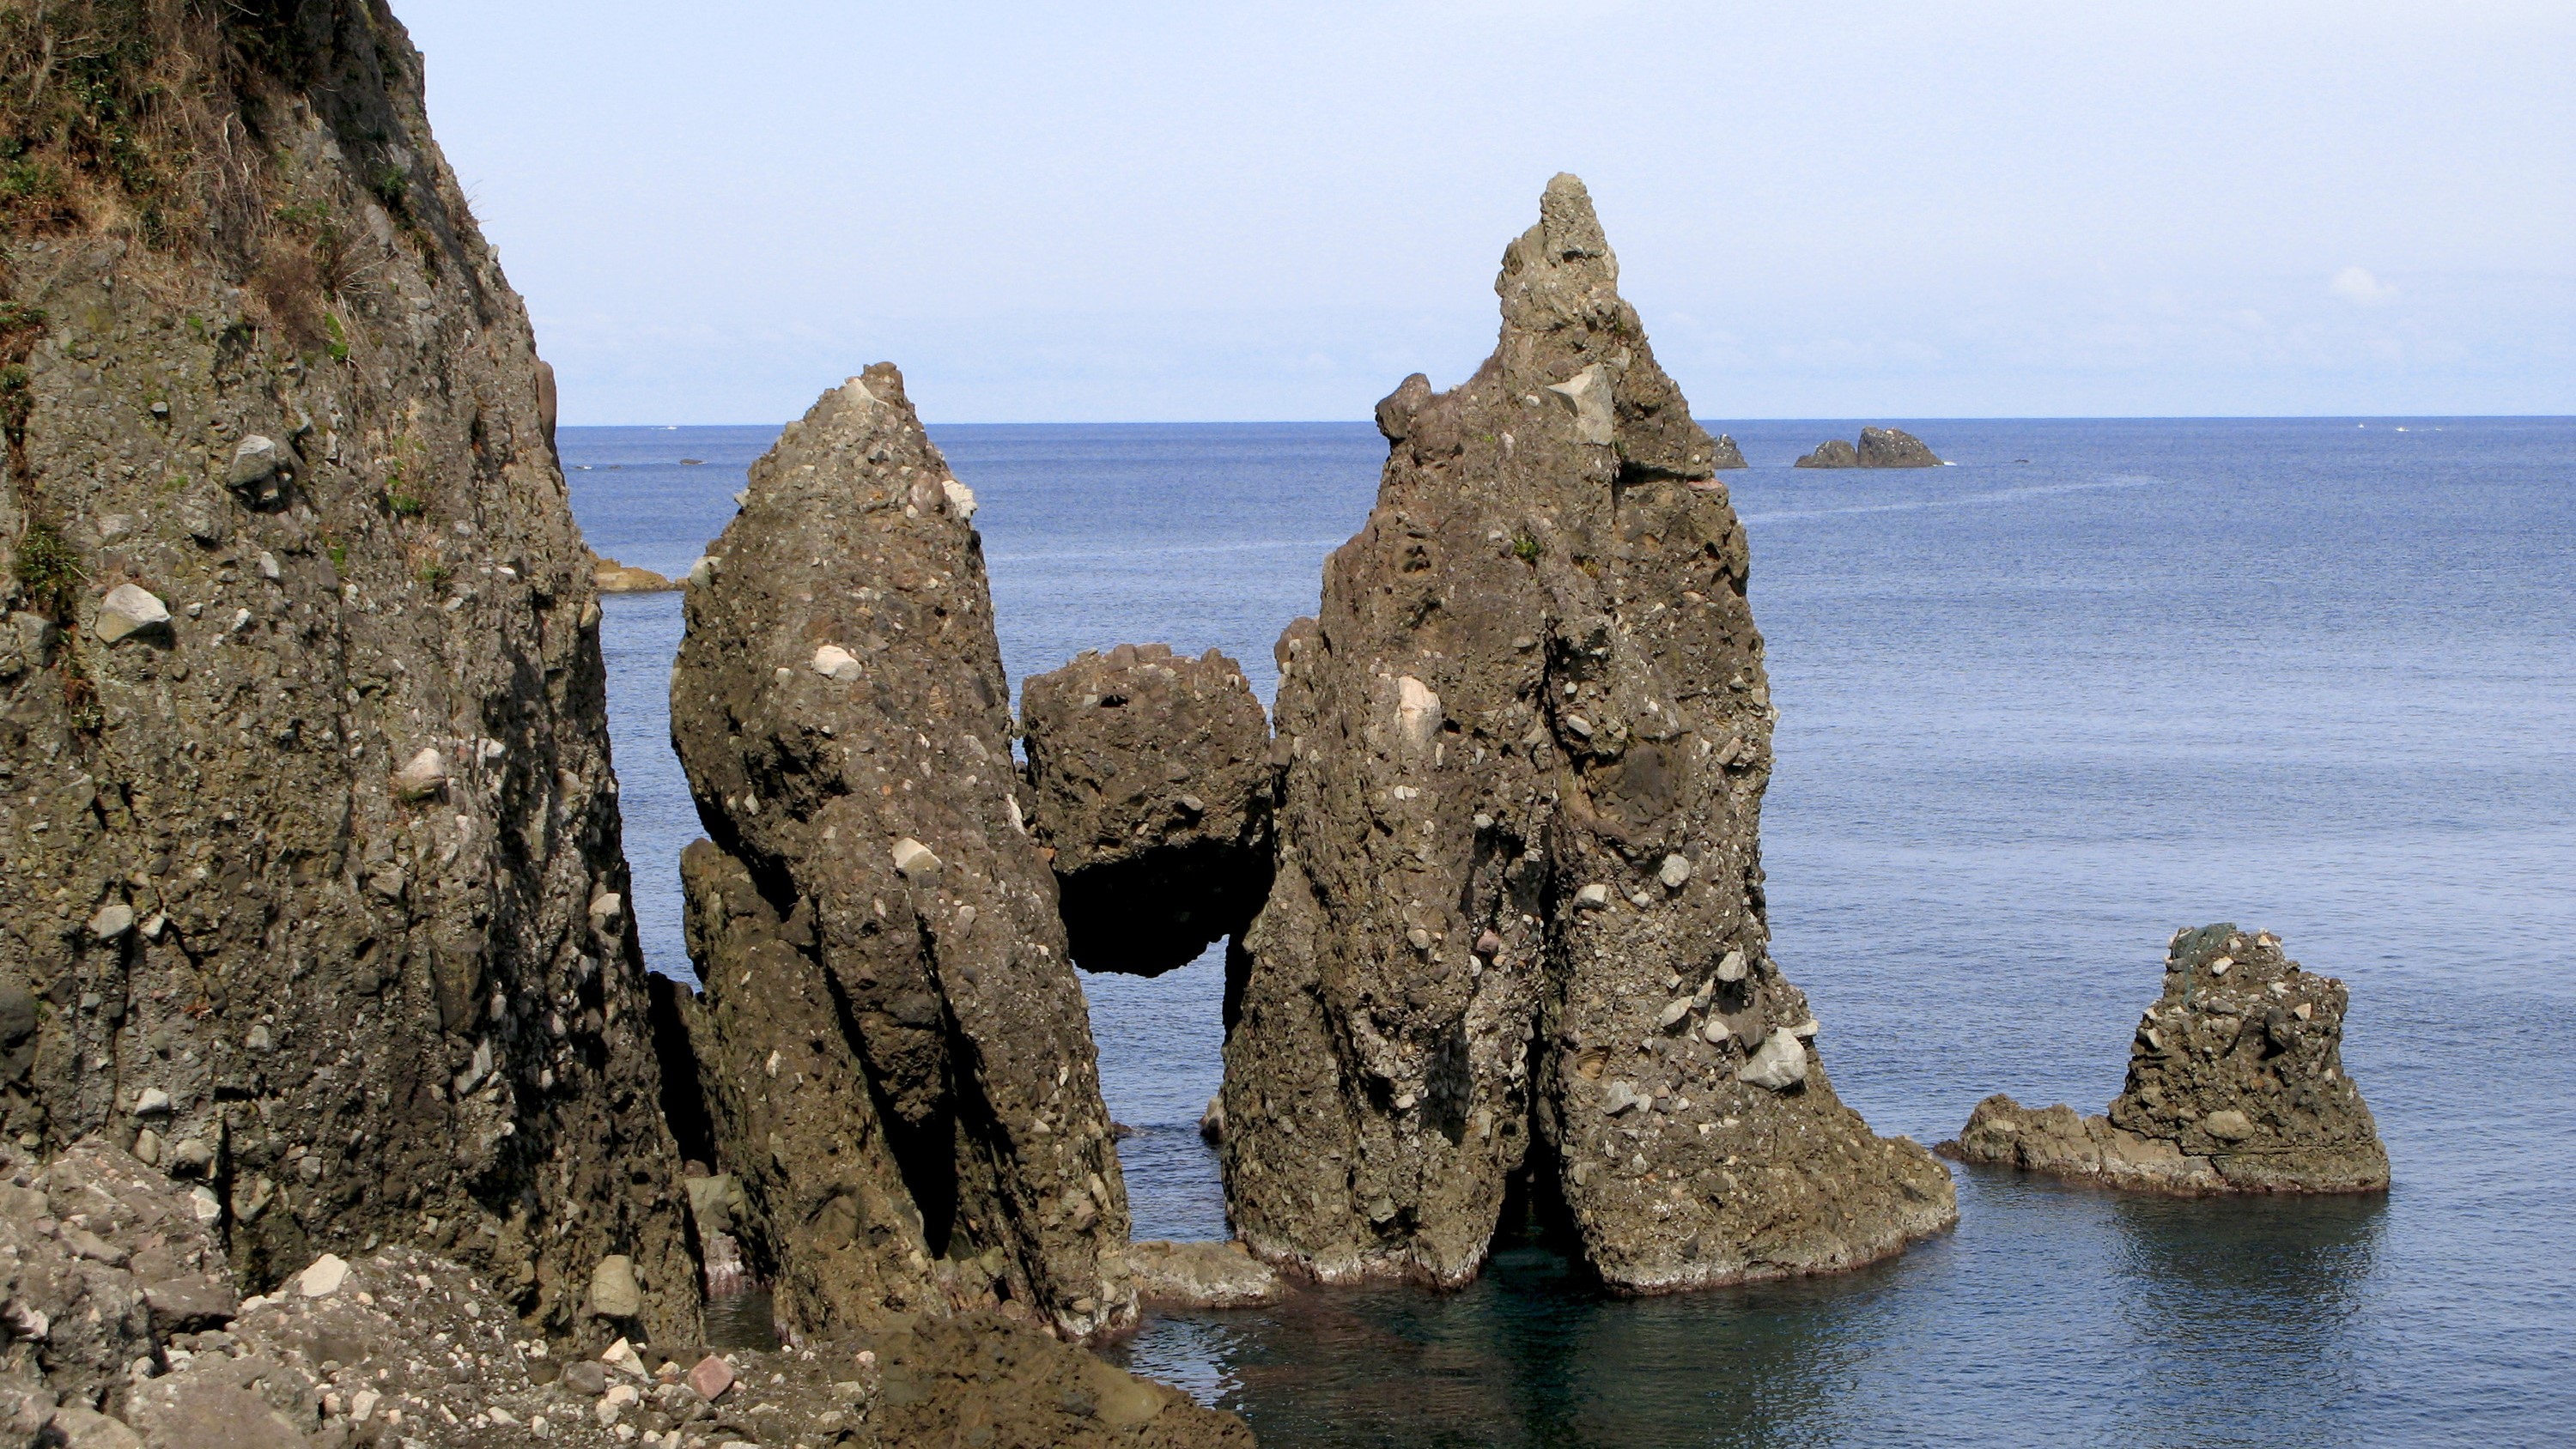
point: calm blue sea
(2097, 681)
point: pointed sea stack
(895, 989)
(1831, 453)
(1725, 456)
(1517, 927)
(314, 891)
(2236, 1084)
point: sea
(2094, 681)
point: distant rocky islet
(343, 1108)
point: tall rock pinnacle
(887, 980)
(1516, 934)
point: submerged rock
(1894, 448)
(1202, 1275)
(1517, 927)
(2236, 1084)
(1831, 453)
(1149, 775)
(893, 1051)
(303, 687)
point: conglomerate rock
(1893, 448)
(1149, 779)
(840, 708)
(308, 833)
(120, 1329)
(1517, 928)
(2236, 1084)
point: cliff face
(1517, 933)
(2236, 1084)
(840, 707)
(307, 825)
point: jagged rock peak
(2236, 1084)
(840, 709)
(1516, 931)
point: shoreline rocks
(1516, 938)
(893, 1052)
(2235, 1084)
(1149, 782)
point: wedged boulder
(1149, 779)
(1893, 448)
(840, 708)
(1831, 453)
(1517, 926)
(282, 520)
(2236, 1084)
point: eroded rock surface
(2236, 1084)
(312, 870)
(1831, 453)
(1149, 779)
(1517, 928)
(1894, 448)
(840, 707)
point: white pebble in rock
(113, 920)
(424, 776)
(1780, 1065)
(1674, 873)
(150, 1101)
(834, 662)
(323, 1276)
(914, 858)
(130, 611)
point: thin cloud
(2354, 284)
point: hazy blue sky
(1206, 211)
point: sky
(1238, 211)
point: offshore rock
(1202, 1275)
(1724, 455)
(1517, 930)
(1894, 448)
(2236, 1084)
(1149, 777)
(911, 1028)
(281, 513)
(611, 577)
(1831, 453)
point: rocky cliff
(886, 965)
(1516, 941)
(2236, 1084)
(1149, 780)
(307, 824)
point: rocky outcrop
(119, 1327)
(882, 951)
(2236, 1084)
(1149, 780)
(1517, 929)
(611, 577)
(1202, 1275)
(1724, 455)
(1879, 448)
(311, 835)
(1894, 448)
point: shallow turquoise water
(2306, 675)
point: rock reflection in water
(741, 1320)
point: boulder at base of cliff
(2236, 1084)
(1831, 453)
(1893, 448)
(1149, 779)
